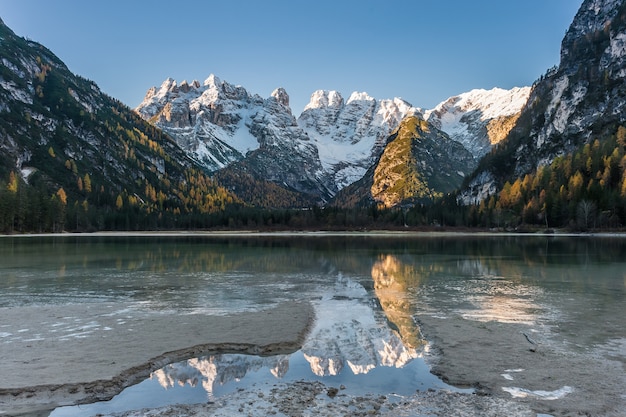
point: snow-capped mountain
(571, 105)
(220, 124)
(331, 145)
(212, 120)
(351, 134)
(479, 118)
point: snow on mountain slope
(330, 146)
(333, 141)
(220, 124)
(479, 118)
(208, 121)
(351, 135)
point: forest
(582, 191)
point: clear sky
(422, 51)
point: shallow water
(367, 291)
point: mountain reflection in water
(368, 292)
(349, 336)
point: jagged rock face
(419, 163)
(206, 120)
(479, 119)
(331, 145)
(592, 18)
(587, 90)
(350, 135)
(223, 125)
(281, 96)
(571, 104)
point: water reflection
(350, 332)
(510, 279)
(393, 280)
(368, 292)
(211, 372)
(349, 335)
(349, 342)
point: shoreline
(95, 368)
(508, 377)
(321, 233)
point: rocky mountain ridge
(331, 145)
(220, 125)
(351, 134)
(479, 119)
(418, 164)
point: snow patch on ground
(544, 395)
(16, 93)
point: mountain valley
(203, 154)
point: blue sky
(422, 51)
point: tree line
(585, 190)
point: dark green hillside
(73, 158)
(419, 164)
(261, 193)
(582, 190)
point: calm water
(367, 292)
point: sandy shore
(42, 370)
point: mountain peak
(281, 96)
(325, 98)
(168, 85)
(185, 87)
(212, 81)
(592, 17)
(360, 96)
(479, 118)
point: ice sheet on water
(544, 395)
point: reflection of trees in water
(152, 267)
(201, 253)
(392, 282)
(508, 279)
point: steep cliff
(582, 99)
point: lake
(369, 292)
